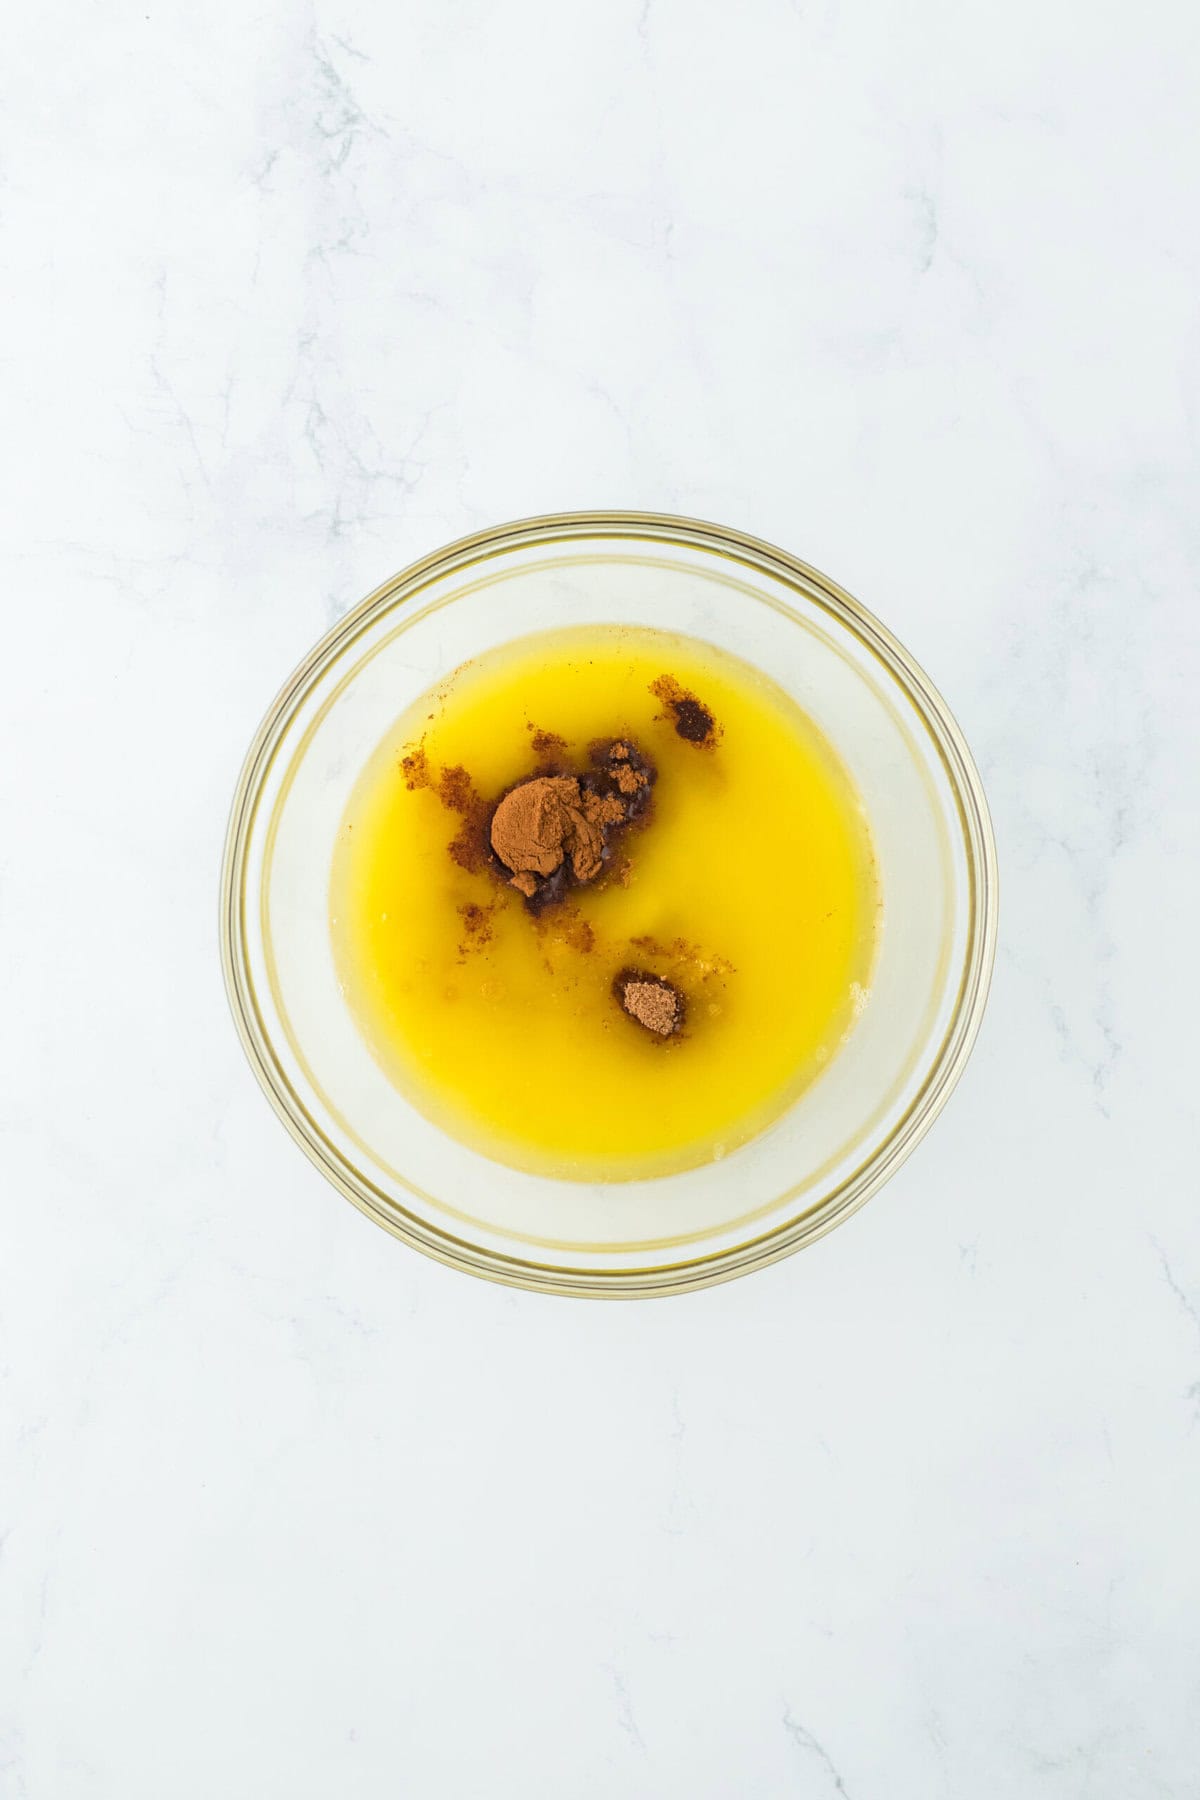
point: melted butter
(752, 888)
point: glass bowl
(846, 1133)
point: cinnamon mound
(650, 1001)
(554, 827)
(542, 822)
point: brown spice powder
(556, 826)
(693, 720)
(545, 743)
(477, 927)
(416, 768)
(543, 822)
(620, 768)
(576, 932)
(455, 790)
(650, 1002)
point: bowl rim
(940, 1077)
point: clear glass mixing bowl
(845, 1134)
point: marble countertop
(295, 295)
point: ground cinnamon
(650, 1002)
(545, 743)
(555, 829)
(477, 927)
(693, 720)
(554, 826)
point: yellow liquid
(752, 887)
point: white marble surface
(294, 294)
